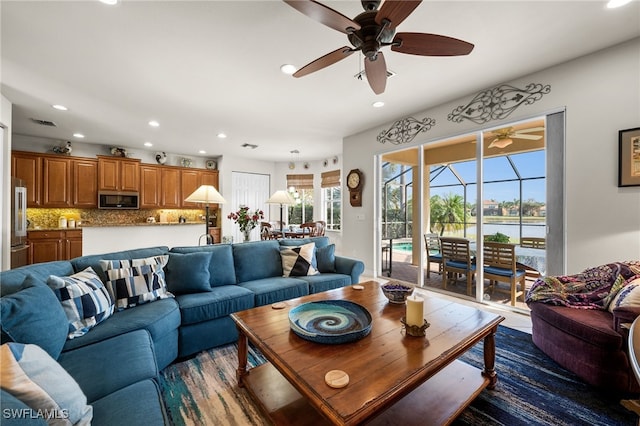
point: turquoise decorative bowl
(396, 293)
(330, 321)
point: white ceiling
(202, 67)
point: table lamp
(281, 197)
(206, 194)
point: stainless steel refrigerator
(19, 247)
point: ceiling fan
(504, 137)
(372, 30)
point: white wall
(5, 183)
(601, 95)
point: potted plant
(246, 220)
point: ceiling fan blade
(376, 71)
(325, 15)
(532, 129)
(324, 61)
(430, 45)
(529, 137)
(396, 11)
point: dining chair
(309, 229)
(432, 243)
(265, 231)
(456, 259)
(533, 242)
(320, 227)
(500, 266)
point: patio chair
(456, 259)
(432, 243)
(500, 266)
(533, 242)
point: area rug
(532, 390)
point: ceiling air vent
(249, 145)
(44, 122)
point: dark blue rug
(532, 390)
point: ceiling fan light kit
(372, 30)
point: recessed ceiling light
(78, 135)
(617, 3)
(378, 104)
(148, 144)
(154, 123)
(202, 151)
(109, 2)
(288, 69)
(222, 135)
(60, 107)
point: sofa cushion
(591, 325)
(158, 318)
(139, 404)
(318, 241)
(32, 376)
(93, 260)
(137, 281)
(256, 260)
(277, 289)
(11, 404)
(298, 260)
(219, 302)
(34, 315)
(188, 273)
(84, 299)
(326, 258)
(221, 267)
(12, 279)
(326, 281)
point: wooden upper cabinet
(170, 178)
(56, 182)
(28, 167)
(85, 183)
(190, 181)
(118, 174)
(150, 187)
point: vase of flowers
(246, 220)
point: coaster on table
(336, 379)
(279, 305)
(358, 287)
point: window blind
(300, 181)
(330, 179)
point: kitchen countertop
(105, 225)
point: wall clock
(355, 182)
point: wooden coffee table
(394, 378)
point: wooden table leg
(242, 358)
(490, 358)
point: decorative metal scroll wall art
(498, 103)
(403, 131)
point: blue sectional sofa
(116, 362)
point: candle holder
(415, 330)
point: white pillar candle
(415, 306)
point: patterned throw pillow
(137, 281)
(298, 261)
(84, 300)
(30, 375)
(628, 296)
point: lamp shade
(207, 194)
(281, 197)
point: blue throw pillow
(326, 258)
(188, 273)
(34, 315)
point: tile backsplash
(42, 218)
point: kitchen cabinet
(118, 174)
(170, 187)
(192, 179)
(150, 187)
(215, 234)
(85, 183)
(56, 182)
(48, 246)
(28, 167)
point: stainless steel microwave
(118, 200)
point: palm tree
(447, 213)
